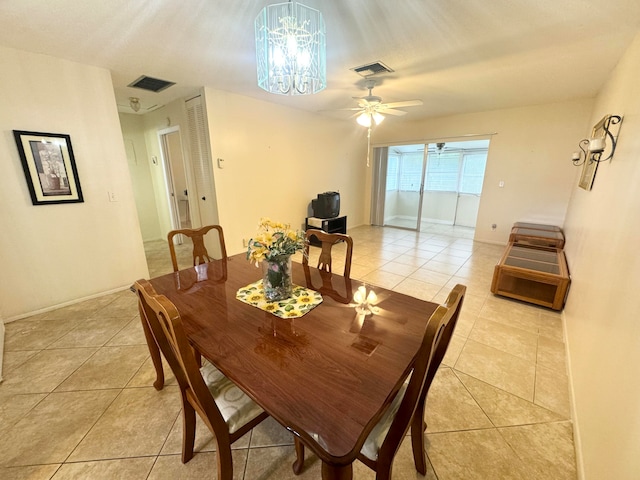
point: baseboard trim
(65, 304)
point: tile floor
(77, 400)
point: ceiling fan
(371, 110)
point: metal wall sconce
(596, 144)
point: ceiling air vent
(151, 84)
(372, 69)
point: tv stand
(329, 225)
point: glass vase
(276, 278)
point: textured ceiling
(455, 55)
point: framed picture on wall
(49, 167)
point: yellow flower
(304, 299)
(293, 313)
(270, 307)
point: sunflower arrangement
(273, 241)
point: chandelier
(291, 49)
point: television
(327, 205)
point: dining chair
(227, 411)
(407, 408)
(197, 236)
(327, 241)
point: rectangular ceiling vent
(151, 84)
(372, 69)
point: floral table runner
(301, 301)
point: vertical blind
(457, 171)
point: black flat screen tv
(327, 205)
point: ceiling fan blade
(391, 111)
(407, 103)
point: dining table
(327, 376)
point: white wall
(139, 167)
(54, 254)
(601, 315)
(276, 160)
(531, 153)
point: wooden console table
(533, 274)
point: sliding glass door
(436, 183)
(404, 186)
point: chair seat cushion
(372, 444)
(236, 407)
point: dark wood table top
(327, 376)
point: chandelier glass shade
(291, 49)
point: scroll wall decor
(596, 145)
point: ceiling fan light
(378, 118)
(364, 119)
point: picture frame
(49, 167)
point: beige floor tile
(126, 468)
(136, 424)
(503, 408)
(125, 305)
(411, 260)
(451, 407)
(146, 374)
(429, 276)
(274, 463)
(131, 334)
(456, 344)
(270, 434)
(513, 340)
(511, 313)
(202, 465)
(551, 354)
(48, 434)
(465, 323)
(91, 332)
(418, 289)
(368, 261)
(204, 442)
(36, 472)
(551, 326)
(473, 303)
(45, 371)
(383, 279)
(13, 360)
(447, 261)
(546, 449)
(503, 370)
(403, 466)
(110, 367)
(552, 391)
(35, 334)
(14, 407)
(474, 454)
(398, 268)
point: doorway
(434, 183)
(175, 175)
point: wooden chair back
(197, 237)
(327, 241)
(165, 323)
(411, 410)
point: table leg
(337, 472)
